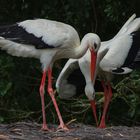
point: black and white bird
(119, 55)
(47, 41)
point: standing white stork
(120, 56)
(47, 41)
(109, 53)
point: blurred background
(20, 77)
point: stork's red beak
(93, 106)
(93, 63)
(92, 69)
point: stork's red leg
(105, 92)
(44, 125)
(93, 106)
(110, 91)
(108, 95)
(51, 93)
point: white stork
(111, 57)
(47, 41)
(121, 55)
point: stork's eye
(95, 45)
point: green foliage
(128, 92)
(20, 77)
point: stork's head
(93, 42)
(89, 91)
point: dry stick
(71, 121)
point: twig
(71, 121)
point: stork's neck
(81, 50)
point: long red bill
(93, 106)
(93, 63)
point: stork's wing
(40, 32)
(18, 34)
(71, 80)
(125, 26)
(121, 57)
(123, 49)
(133, 59)
(131, 25)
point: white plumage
(113, 57)
(112, 54)
(47, 41)
(52, 32)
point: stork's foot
(63, 127)
(45, 128)
(102, 125)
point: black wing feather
(133, 59)
(76, 78)
(133, 50)
(136, 42)
(18, 34)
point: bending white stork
(47, 41)
(109, 51)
